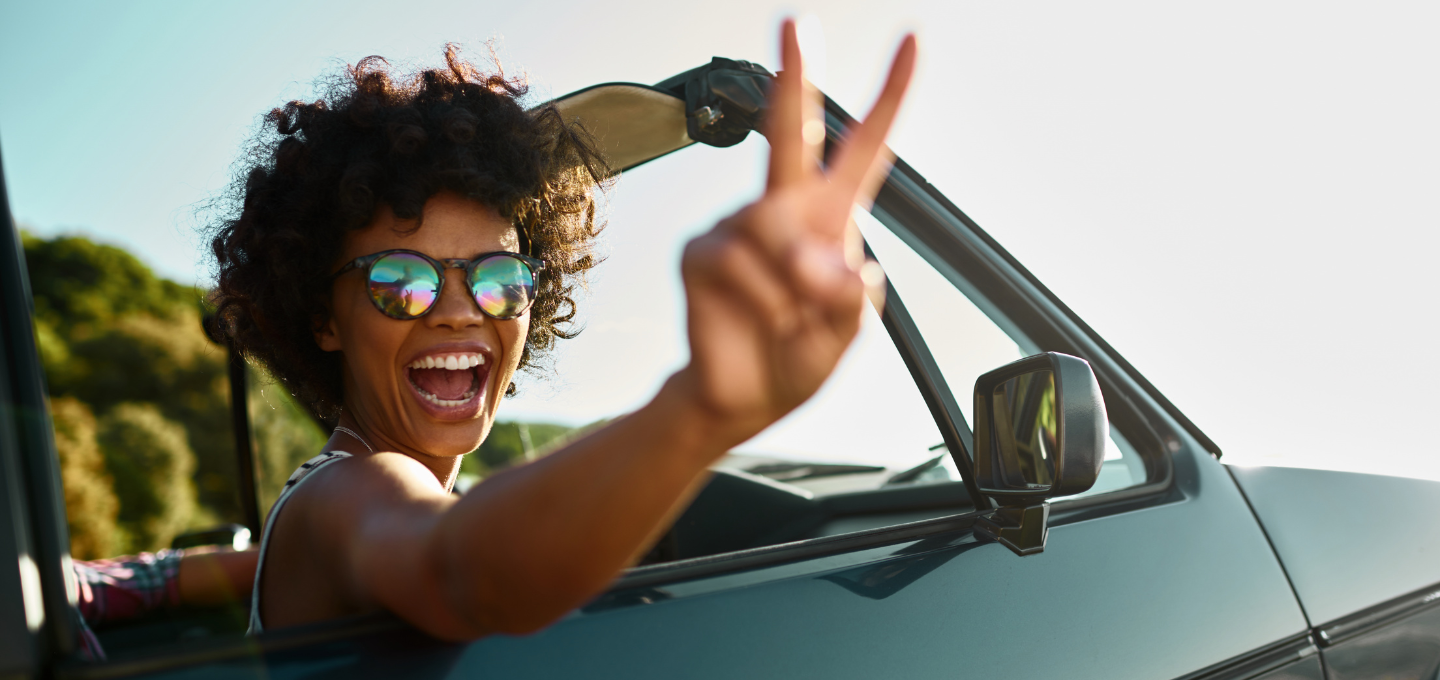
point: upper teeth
(450, 362)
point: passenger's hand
(774, 294)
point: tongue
(442, 383)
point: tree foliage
(90, 502)
(506, 445)
(81, 285)
(110, 332)
(152, 464)
(284, 436)
(122, 344)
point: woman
(401, 251)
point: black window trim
(26, 414)
(906, 186)
(954, 246)
(916, 212)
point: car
(1107, 540)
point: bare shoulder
(362, 485)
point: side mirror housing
(1040, 432)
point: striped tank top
(291, 484)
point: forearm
(214, 577)
(535, 542)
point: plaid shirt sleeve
(123, 588)
(126, 587)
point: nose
(455, 309)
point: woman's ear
(327, 336)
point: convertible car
(1061, 520)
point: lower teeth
(447, 402)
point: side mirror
(1040, 432)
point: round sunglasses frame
(367, 262)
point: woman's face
(390, 389)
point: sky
(1238, 196)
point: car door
(1360, 550)
(1166, 575)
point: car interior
(740, 511)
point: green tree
(81, 285)
(111, 332)
(89, 489)
(513, 442)
(284, 435)
(151, 463)
(171, 364)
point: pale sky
(1239, 196)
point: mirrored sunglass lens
(503, 286)
(403, 285)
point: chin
(448, 440)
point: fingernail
(813, 132)
(872, 274)
(874, 278)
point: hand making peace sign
(773, 300)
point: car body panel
(1347, 540)
(1308, 668)
(1192, 575)
(1405, 648)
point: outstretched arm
(773, 303)
(210, 577)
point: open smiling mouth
(448, 381)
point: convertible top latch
(724, 100)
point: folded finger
(770, 225)
(827, 284)
(746, 278)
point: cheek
(369, 340)
(513, 336)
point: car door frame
(37, 621)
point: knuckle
(731, 255)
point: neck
(445, 468)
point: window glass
(968, 341)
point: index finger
(793, 157)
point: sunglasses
(405, 284)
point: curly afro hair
(318, 170)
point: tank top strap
(291, 484)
